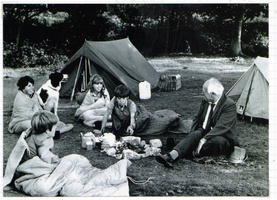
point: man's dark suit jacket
(223, 120)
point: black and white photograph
(136, 99)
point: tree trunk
(235, 46)
(27, 17)
(167, 33)
(18, 35)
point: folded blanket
(73, 176)
(159, 122)
(14, 159)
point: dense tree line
(47, 33)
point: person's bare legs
(92, 120)
(63, 128)
(92, 116)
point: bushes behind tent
(31, 55)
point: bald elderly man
(213, 131)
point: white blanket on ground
(73, 176)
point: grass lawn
(187, 178)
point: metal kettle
(86, 138)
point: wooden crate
(170, 82)
(175, 82)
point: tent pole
(75, 82)
(248, 94)
(89, 70)
(86, 73)
(83, 86)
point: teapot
(87, 137)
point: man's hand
(201, 143)
(130, 130)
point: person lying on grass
(213, 131)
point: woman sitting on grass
(25, 105)
(95, 102)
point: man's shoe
(165, 159)
(195, 155)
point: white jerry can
(144, 90)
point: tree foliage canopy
(155, 29)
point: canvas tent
(251, 90)
(117, 61)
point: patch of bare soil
(187, 178)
